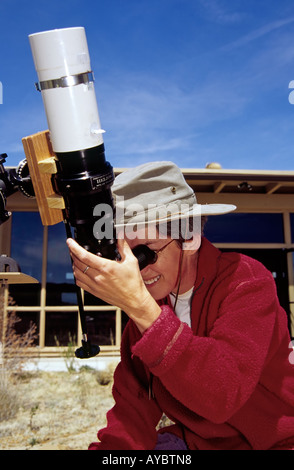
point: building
(262, 227)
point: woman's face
(160, 278)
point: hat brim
(217, 209)
(197, 210)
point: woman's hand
(118, 283)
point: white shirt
(183, 307)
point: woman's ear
(192, 245)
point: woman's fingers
(79, 253)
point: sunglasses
(146, 256)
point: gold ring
(86, 269)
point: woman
(207, 342)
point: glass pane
(61, 328)
(26, 320)
(25, 294)
(101, 327)
(90, 299)
(26, 250)
(245, 228)
(292, 227)
(27, 242)
(60, 280)
(60, 294)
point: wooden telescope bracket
(42, 164)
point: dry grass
(55, 410)
(47, 410)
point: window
(101, 327)
(60, 325)
(26, 320)
(60, 288)
(26, 250)
(61, 328)
(27, 242)
(245, 228)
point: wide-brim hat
(157, 192)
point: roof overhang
(238, 181)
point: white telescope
(66, 81)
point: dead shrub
(105, 376)
(15, 349)
(14, 353)
(9, 400)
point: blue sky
(192, 81)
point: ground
(56, 410)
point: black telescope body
(84, 179)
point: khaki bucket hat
(157, 192)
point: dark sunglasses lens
(144, 256)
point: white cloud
(158, 117)
(258, 33)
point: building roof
(219, 180)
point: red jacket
(227, 382)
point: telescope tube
(62, 62)
(83, 177)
